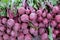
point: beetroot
(40, 18)
(49, 16)
(21, 36)
(44, 38)
(54, 36)
(39, 12)
(53, 23)
(41, 25)
(10, 23)
(26, 31)
(31, 22)
(45, 21)
(14, 34)
(41, 31)
(56, 32)
(33, 16)
(28, 37)
(24, 25)
(21, 10)
(8, 31)
(6, 37)
(4, 20)
(24, 18)
(16, 27)
(55, 9)
(33, 31)
(2, 28)
(57, 18)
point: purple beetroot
(16, 27)
(21, 36)
(33, 16)
(24, 18)
(4, 20)
(10, 23)
(21, 10)
(57, 18)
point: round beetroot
(57, 18)
(49, 16)
(41, 31)
(53, 23)
(8, 31)
(10, 23)
(54, 35)
(26, 31)
(6, 37)
(33, 16)
(14, 34)
(44, 36)
(2, 28)
(24, 25)
(21, 36)
(40, 18)
(44, 14)
(24, 18)
(39, 12)
(55, 9)
(56, 32)
(28, 37)
(41, 25)
(4, 20)
(21, 10)
(16, 27)
(45, 21)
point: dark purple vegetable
(21, 10)
(33, 16)
(10, 23)
(24, 18)
(57, 18)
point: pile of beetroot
(30, 24)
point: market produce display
(29, 22)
